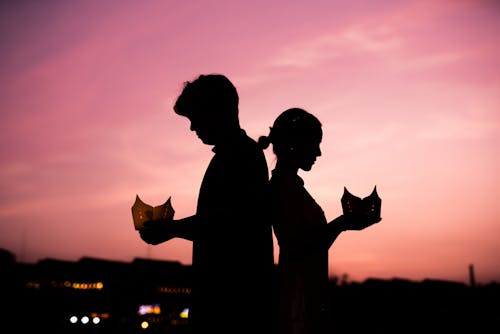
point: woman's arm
(349, 223)
(334, 228)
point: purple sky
(408, 93)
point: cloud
(453, 127)
(371, 39)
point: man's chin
(207, 141)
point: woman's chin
(306, 167)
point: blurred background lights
(149, 309)
(185, 313)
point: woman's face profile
(308, 149)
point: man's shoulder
(247, 145)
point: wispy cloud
(433, 60)
(326, 46)
(457, 128)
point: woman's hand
(359, 221)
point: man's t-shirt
(233, 262)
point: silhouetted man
(231, 232)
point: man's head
(210, 102)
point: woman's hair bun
(264, 142)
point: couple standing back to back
(235, 286)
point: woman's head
(296, 136)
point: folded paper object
(369, 205)
(142, 212)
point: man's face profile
(205, 125)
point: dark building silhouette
(117, 297)
(472, 278)
(95, 296)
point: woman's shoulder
(278, 176)
(286, 183)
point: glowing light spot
(185, 313)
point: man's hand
(155, 232)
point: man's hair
(213, 93)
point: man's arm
(159, 231)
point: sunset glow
(408, 93)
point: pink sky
(408, 93)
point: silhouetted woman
(301, 228)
